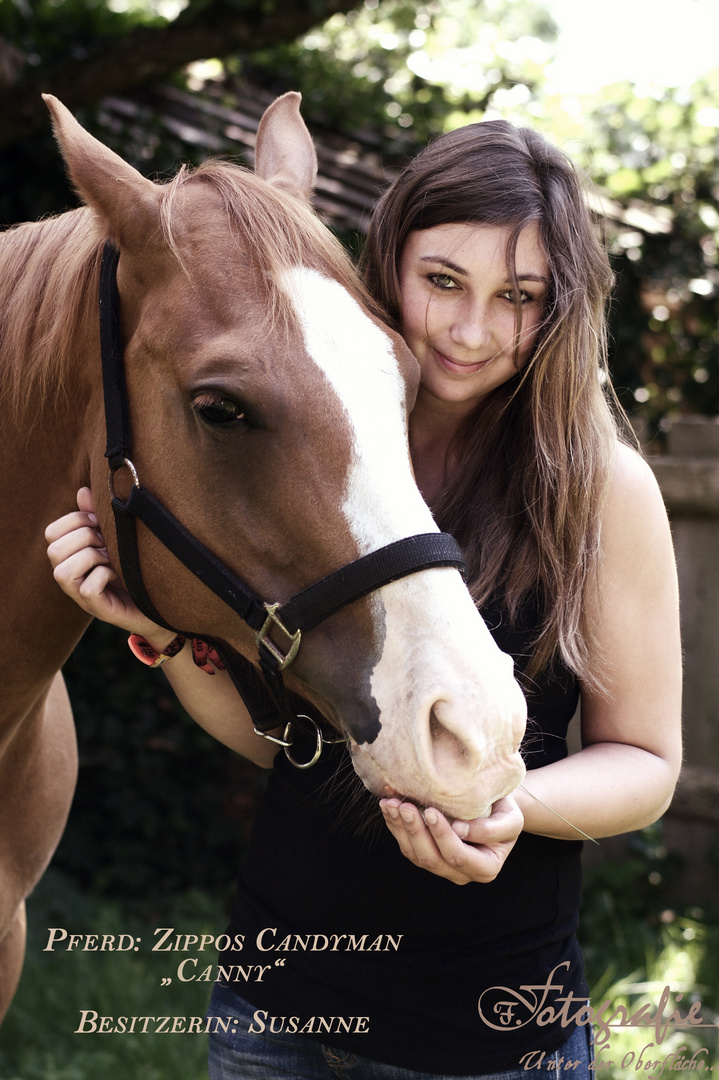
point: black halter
(303, 612)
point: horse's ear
(124, 198)
(284, 153)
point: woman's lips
(456, 365)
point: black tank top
(336, 924)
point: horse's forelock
(280, 231)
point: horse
(268, 404)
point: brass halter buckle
(283, 659)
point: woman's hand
(461, 852)
(82, 569)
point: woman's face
(459, 307)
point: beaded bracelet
(204, 656)
(147, 655)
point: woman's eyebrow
(444, 262)
(533, 277)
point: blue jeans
(237, 1054)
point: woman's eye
(216, 409)
(443, 281)
(524, 297)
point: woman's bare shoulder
(633, 485)
(635, 526)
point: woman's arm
(82, 569)
(624, 777)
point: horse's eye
(216, 409)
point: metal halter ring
(272, 738)
(289, 742)
(286, 742)
(111, 477)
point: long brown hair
(535, 457)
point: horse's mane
(49, 271)
(48, 287)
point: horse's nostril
(449, 750)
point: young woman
(371, 961)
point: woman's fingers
(77, 521)
(402, 823)
(67, 527)
(418, 844)
(85, 503)
(429, 841)
(82, 569)
(83, 572)
(87, 577)
(504, 824)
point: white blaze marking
(382, 502)
(437, 650)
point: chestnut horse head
(268, 406)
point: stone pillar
(688, 476)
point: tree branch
(148, 54)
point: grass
(39, 1040)
(672, 975)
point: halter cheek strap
(264, 696)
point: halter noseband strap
(304, 611)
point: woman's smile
(463, 367)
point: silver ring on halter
(286, 742)
(321, 740)
(318, 742)
(272, 738)
(111, 476)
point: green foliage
(623, 903)
(672, 973)
(50, 30)
(382, 68)
(32, 181)
(636, 943)
(32, 174)
(665, 154)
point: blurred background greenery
(162, 812)
(403, 71)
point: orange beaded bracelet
(147, 655)
(204, 656)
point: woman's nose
(472, 328)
